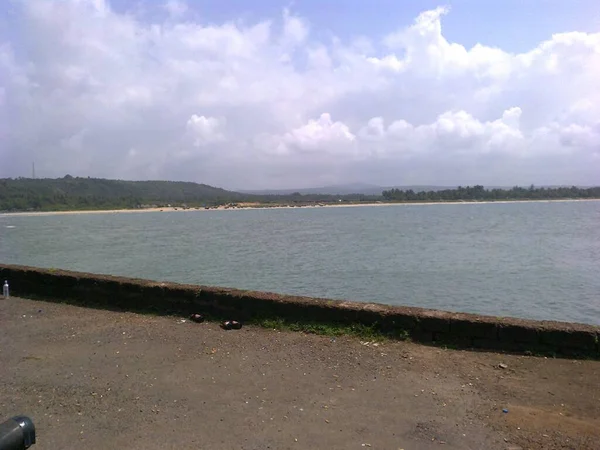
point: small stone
(502, 366)
(231, 325)
(198, 318)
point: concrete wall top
(423, 324)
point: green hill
(70, 193)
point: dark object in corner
(198, 318)
(231, 325)
(17, 433)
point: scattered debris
(505, 411)
(198, 318)
(231, 325)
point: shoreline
(263, 207)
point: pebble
(198, 318)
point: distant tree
(478, 192)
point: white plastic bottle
(5, 292)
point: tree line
(480, 193)
(75, 193)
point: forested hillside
(95, 193)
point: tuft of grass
(276, 324)
(369, 332)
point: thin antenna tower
(33, 170)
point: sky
(294, 94)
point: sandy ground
(246, 206)
(105, 380)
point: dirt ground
(104, 380)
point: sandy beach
(254, 206)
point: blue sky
(295, 94)
(514, 25)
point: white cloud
(374, 130)
(295, 30)
(269, 104)
(321, 136)
(176, 8)
(205, 130)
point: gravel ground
(105, 380)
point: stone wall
(423, 325)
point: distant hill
(343, 189)
(97, 193)
(371, 189)
(74, 193)
(346, 189)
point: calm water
(534, 260)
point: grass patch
(369, 332)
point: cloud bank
(89, 91)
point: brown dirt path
(101, 380)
